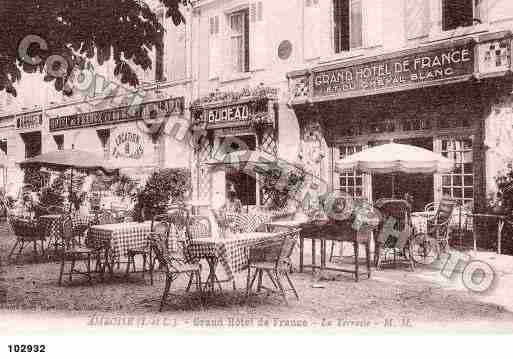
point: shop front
(244, 122)
(442, 97)
(132, 138)
(29, 128)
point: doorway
(418, 187)
(33, 143)
(244, 184)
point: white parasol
(396, 157)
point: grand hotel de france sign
(400, 71)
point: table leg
(212, 277)
(356, 255)
(474, 237)
(313, 254)
(499, 235)
(108, 262)
(323, 253)
(367, 256)
(301, 252)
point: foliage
(259, 92)
(77, 31)
(53, 194)
(34, 178)
(164, 187)
(101, 182)
(281, 184)
(504, 197)
(124, 186)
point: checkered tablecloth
(119, 237)
(50, 226)
(82, 220)
(230, 251)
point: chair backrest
(11, 218)
(160, 225)
(290, 239)
(277, 250)
(161, 250)
(246, 222)
(179, 220)
(105, 217)
(398, 209)
(200, 227)
(66, 223)
(55, 210)
(431, 207)
(444, 211)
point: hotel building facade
(310, 81)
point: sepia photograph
(206, 167)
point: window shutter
(312, 31)
(326, 28)
(373, 22)
(214, 48)
(258, 52)
(417, 18)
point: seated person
(233, 203)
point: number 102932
(24, 348)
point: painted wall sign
(285, 49)
(402, 71)
(146, 111)
(127, 144)
(29, 121)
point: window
(456, 13)
(32, 143)
(239, 41)
(104, 136)
(3, 145)
(351, 182)
(459, 184)
(244, 183)
(59, 141)
(347, 18)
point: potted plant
(165, 186)
(281, 185)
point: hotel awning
(250, 160)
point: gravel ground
(391, 299)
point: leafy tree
(78, 30)
(166, 186)
(281, 185)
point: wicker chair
(398, 211)
(431, 207)
(246, 222)
(173, 265)
(200, 227)
(159, 225)
(105, 217)
(273, 258)
(438, 225)
(55, 210)
(26, 232)
(72, 252)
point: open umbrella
(396, 157)
(69, 159)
